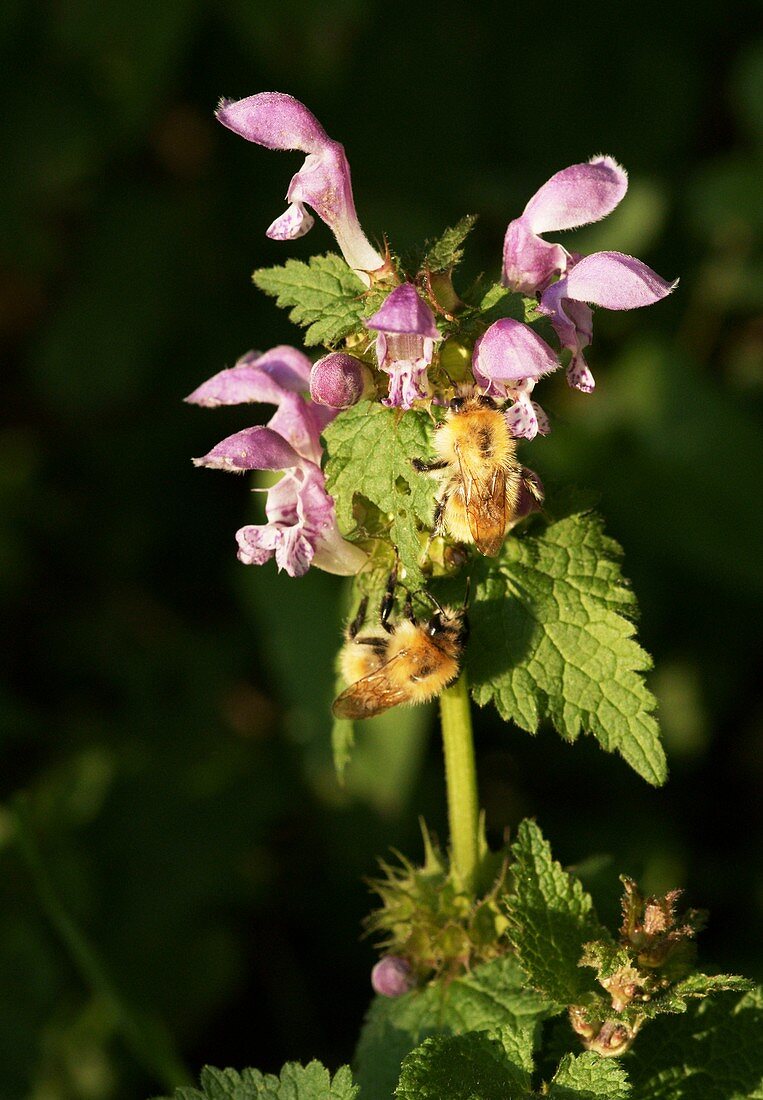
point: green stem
(461, 780)
(147, 1039)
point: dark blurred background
(164, 709)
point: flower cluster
(395, 353)
(301, 528)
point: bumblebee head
(486, 402)
(449, 622)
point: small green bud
(456, 359)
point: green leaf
(369, 452)
(606, 957)
(295, 1082)
(446, 252)
(474, 1066)
(552, 637)
(678, 997)
(551, 917)
(589, 1077)
(498, 301)
(713, 1052)
(326, 296)
(490, 996)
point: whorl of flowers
(418, 342)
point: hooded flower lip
(575, 196)
(607, 279)
(278, 121)
(404, 312)
(277, 377)
(256, 377)
(508, 360)
(405, 344)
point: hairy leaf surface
(552, 637)
(295, 1082)
(369, 453)
(713, 1052)
(491, 996)
(551, 917)
(324, 294)
(446, 251)
(589, 1077)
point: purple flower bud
(391, 977)
(339, 380)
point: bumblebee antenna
(430, 597)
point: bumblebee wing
(485, 504)
(371, 694)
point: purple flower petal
(257, 543)
(508, 353)
(404, 312)
(256, 378)
(278, 121)
(575, 196)
(578, 195)
(408, 382)
(293, 420)
(579, 375)
(615, 281)
(391, 977)
(544, 427)
(529, 261)
(293, 223)
(522, 418)
(252, 449)
(275, 120)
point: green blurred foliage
(165, 709)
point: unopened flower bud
(391, 977)
(339, 381)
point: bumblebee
(407, 662)
(481, 479)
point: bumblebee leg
(439, 512)
(359, 619)
(428, 467)
(468, 591)
(408, 608)
(532, 484)
(388, 600)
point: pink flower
(301, 528)
(607, 279)
(405, 344)
(278, 121)
(578, 195)
(508, 360)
